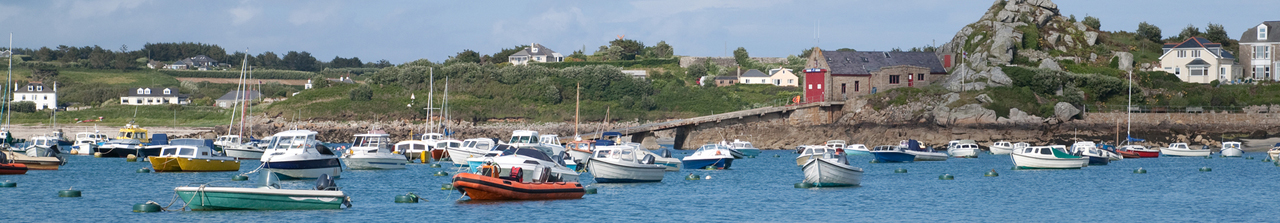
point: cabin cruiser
(530, 162)
(892, 154)
(1047, 157)
(235, 147)
(810, 151)
(624, 164)
(709, 156)
(831, 169)
(192, 155)
(41, 153)
(1182, 149)
(1231, 149)
(744, 148)
(1001, 148)
(470, 148)
(1090, 150)
(857, 149)
(372, 151)
(87, 141)
(297, 154)
(963, 149)
(922, 153)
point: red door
(813, 84)
(911, 81)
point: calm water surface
(756, 189)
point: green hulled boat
(262, 198)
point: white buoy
(708, 177)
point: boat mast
(244, 106)
(445, 106)
(243, 66)
(431, 88)
(1128, 111)
(604, 122)
(8, 90)
(577, 109)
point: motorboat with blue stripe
(892, 154)
(296, 154)
(710, 155)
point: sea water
(754, 189)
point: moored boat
(1001, 148)
(471, 148)
(326, 195)
(41, 153)
(1089, 150)
(1231, 149)
(86, 142)
(857, 149)
(1182, 149)
(1046, 157)
(372, 151)
(533, 161)
(922, 153)
(413, 148)
(710, 155)
(191, 155)
(624, 164)
(297, 154)
(443, 146)
(1274, 152)
(10, 168)
(745, 148)
(963, 149)
(809, 151)
(892, 154)
(580, 150)
(494, 187)
(831, 170)
(133, 140)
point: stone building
(840, 75)
(1258, 55)
(722, 81)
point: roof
(528, 51)
(754, 73)
(865, 62)
(146, 91)
(1199, 62)
(726, 78)
(1193, 42)
(1251, 35)
(231, 95)
(40, 89)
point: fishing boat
(580, 150)
(269, 196)
(1046, 157)
(41, 153)
(624, 164)
(490, 184)
(471, 148)
(892, 154)
(1089, 150)
(831, 170)
(963, 149)
(1141, 151)
(10, 168)
(192, 155)
(922, 153)
(1127, 151)
(86, 142)
(413, 148)
(433, 139)
(1001, 148)
(444, 146)
(372, 151)
(809, 151)
(745, 148)
(856, 149)
(243, 151)
(1182, 149)
(297, 154)
(132, 140)
(710, 155)
(1231, 149)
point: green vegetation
(118, 115)
(235, 74)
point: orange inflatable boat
(12, 168)
(480, 187)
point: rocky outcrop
(1050, 65)
(1064, 111)
(1125, 59)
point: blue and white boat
(745, 148)
(892, 154)
(710, 155)
(922, 153)
(857, 150)
(1089, 150)
(296, 154)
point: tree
(44, 54)
(741, 56)
(503, 55)
(268, 60)
(846, 50)
(1190, 31)
(362, 93)
(1217, 34)
(1149, 32)
(98, 59)
(628, 48)
(662, 50)
(697, 70)
(1092, 22)
(466, 56)
(805, 53)
(302, 61)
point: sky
(403, 31)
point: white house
(638, 74)
(154, 96)
(535, 52)
(45, 98)
(784, 77)
(1258, 46)
(232, 97)
(754, 76)
(1197, 60)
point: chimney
(739, 72)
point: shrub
(23, 106)
(1030, 37)
(362, 93)
(259, 74)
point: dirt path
(232, 80)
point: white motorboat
(1231, 149)
(1182, 149)
(372, 152)
(710, 155)
(297, 154)
(1001, 148)
(41, 153)
(413, 149)
(892, 154)
(531, 163)
(831, 170)
(857, 149)
(624, 164)
(443, 146)
(1274, 152)
(745, 148)
(471, 148)
(1090, 150)
(1046, 157)
(243, 151)
(964, 149)
(227, 140)
(87, 141)
(580, 150)
(922, 153)
(810, 151)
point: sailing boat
(1130, 150)
(6, 138)
(234, 145)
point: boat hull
(854, 152)
(1184, 152)
(607, 171)
(177, 164)
(243, 153)
(221, 198)
(964, 153)
(1027, 162)
(488, 188)
(721, 163)
(577, 154)
(35, 163)
(1148, 154)
(1000, 150)
(83, 149)
(928, 156)
(1232, 152)
(825, 173)
(1098, 160)
(13, 169)
(125, 152)
(749, 152)
(305, 169)
(460, 156)
(356, 162)
(894, 157)
(437, 154)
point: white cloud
(85, 9)
(243, 13)
(312, 13)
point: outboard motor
(545, 176)
(666, 153)
(324, 182)
(4, 158)
(648, 159)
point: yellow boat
(192, 158)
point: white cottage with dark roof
(535, 52)
(154, 96)
(1196, 60)
(45, 98)
(754, 76)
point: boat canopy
(529, 152)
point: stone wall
(727, 61)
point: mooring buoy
(143, 170)
(803, 185)
(146, 207)
(407, 198)
(711, 167)
(448, 186)
(441, 173)
(425, 158)
(1140, 170)
(239, 178)
(991, 173)
(69, 193)
(776, 155)
(97, 154)
(131, 158)
(589, 190)
(1205, 169)
(693, 177)
(900, 170)
(8, 184)
(946, 177)
(435, 165)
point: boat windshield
(370, 141)
(291, 142)
(187, 151)
(529, 152)
(169, 151)
(523, 139)
(42, 142)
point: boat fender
(131, 158)
(717, 152)
(517, 174)
(545, 176)
(448, 186)
(324, 182)
(97, 154)
(240, 178)
(435, 165)
(590, 190)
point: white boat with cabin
(624, 164)
(470, 148)
(372, 152)
(832, 169)
(297, 154)
(963, 149)
(1231, 149)
(1046, 157)
(1182, 149)
(1001, 148)
(87, 141)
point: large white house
(154, 96)
(1258, 46)
(754, 76)
(45, 98)
(784, 77)
(1197, 60)
(535, 52)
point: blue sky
(402, 31)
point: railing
(1175, 109)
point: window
(819, 86)
(147, 91)
(1182, 53)
(1222, 71)
(46, 97)
(124, 101)
(1195, 53)
(855, 85)
(1046, 151)
(919, 77)
(40, 88)
(1196, 71)
(1262, 32)
(166, 91)
(1177, 71)
(139, 90)
(777, 82)
(893, 79)
(29, 88)
(746, 81)
(791, 81)
(810, 86)
(1261, 52)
